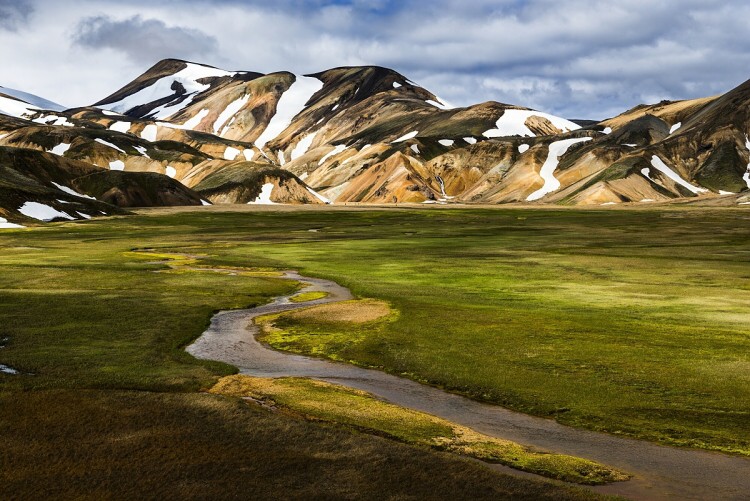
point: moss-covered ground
(108, 404)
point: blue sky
(576, 58)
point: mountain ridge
(368, 134)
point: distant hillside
(371, 135)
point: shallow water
(8, 370)
(660, 472)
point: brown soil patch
(358, 311)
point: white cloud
(578, 58)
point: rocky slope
(370, 135)
(38, 186)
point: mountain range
(188, 134)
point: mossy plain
(111, 405)
(361, 410)
(631, 322)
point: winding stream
(660, 472)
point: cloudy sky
(576, 58)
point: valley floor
(629, 322)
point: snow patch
(647, 200)
(170, 171)
(334, 193)
(674, 128)
(470, 140)
(523, 148)
(117, 165)
(64, 122)
(196, 120)
(724, 193)
(609, 203)
(303, 145)
(406, 137)
(396, 85)
(142, 150)
(248, 154)
(42, 212)
(110, 145)
(556, 150)
(44, 119)
(265, 195)
(647, 173)
(318, 196)
(338, 149)
(441, 105)
(446, 142)
(69, 191)
(32, 99)
(205, 202)
(8, 370)
(415, 149)
(149, 132)
(632, 145)
(123, 127)
(15, 108)
(659, 165)
(746, 176)
(513, 123)
(187, 77)
(291, 104)
(83, 215)
(53, 120)
(60, 149)
(229, 112)
(607, 130)
(231, 153)
(5, 225)
(304, 176)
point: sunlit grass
(628, 322)
(337, 404)
(304, 297)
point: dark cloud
(13, 13)
(143, 39)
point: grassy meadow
(360, 410)
(631, 322)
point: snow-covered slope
(291, 104)
(37, 101)
(170, 94)
(516, 123)
(16, 108)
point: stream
(659, 472)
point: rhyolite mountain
(186, 133)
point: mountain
(370, 135)
(38, 186)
